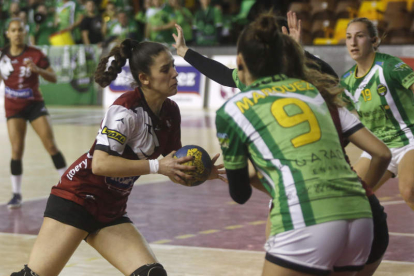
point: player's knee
(154, 269)
(24, 272)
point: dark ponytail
(140, 56)
(261, 45)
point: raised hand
(217, 172)
(173, 168)
(295, 27)
(180, 41)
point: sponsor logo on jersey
(408, 79)
(121, 120)
(21, 93)
(114, 135)
(382, 90)
(121, 184)
(82, 165)
(223, 140)
(401, 67)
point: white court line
(397, 262)
(172, 247)
(392, 202)
(401, 234)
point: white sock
(16, 184)
(61, 171)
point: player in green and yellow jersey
(284, 127)
(380, 88)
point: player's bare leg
(406, 178)
(362, 167)
(369, 269)
(43, 128)
(54, 246)
(17, 132)
(123, 246)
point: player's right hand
(180, 41)
(173, 168)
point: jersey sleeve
(237, 81)
(234, 150)
(43, 61)
(346, 96)
(116, 131)
(399, 72)
(349, 122)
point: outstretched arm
(210, 68)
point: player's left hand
(29, 63)
(217, 172)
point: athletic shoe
(15, 202)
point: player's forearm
(115, 166)
(48, 75)
(377, 168)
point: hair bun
(126, 48)
(266, 28)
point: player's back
(290, 137)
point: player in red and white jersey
(90, 200)
(20, 68)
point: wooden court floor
(195, 231)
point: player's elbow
(241, 196)
(97, 167)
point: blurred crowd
(205, 22)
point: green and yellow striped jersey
(284, 126)
(383, 99)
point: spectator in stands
(141, 16)
(109, 18)
(123, 29)
(23, 17)
(91, 25)
(68, 16)
(43, 26)
(160, 23)
(14, 10)
(208, 23)
(183, 17)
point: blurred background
(74, 34)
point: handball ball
(202, 162)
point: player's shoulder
(170, 106)
(349, 73)
(392, 63)
(31, 49)
(129, 100)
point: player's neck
(16, 50)
(153, 100)
(365, 65)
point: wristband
(154, 166)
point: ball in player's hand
(201, 161)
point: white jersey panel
(117, 128)
(348, 120)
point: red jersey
(21, 84)
(132, 131)
(344, 133)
